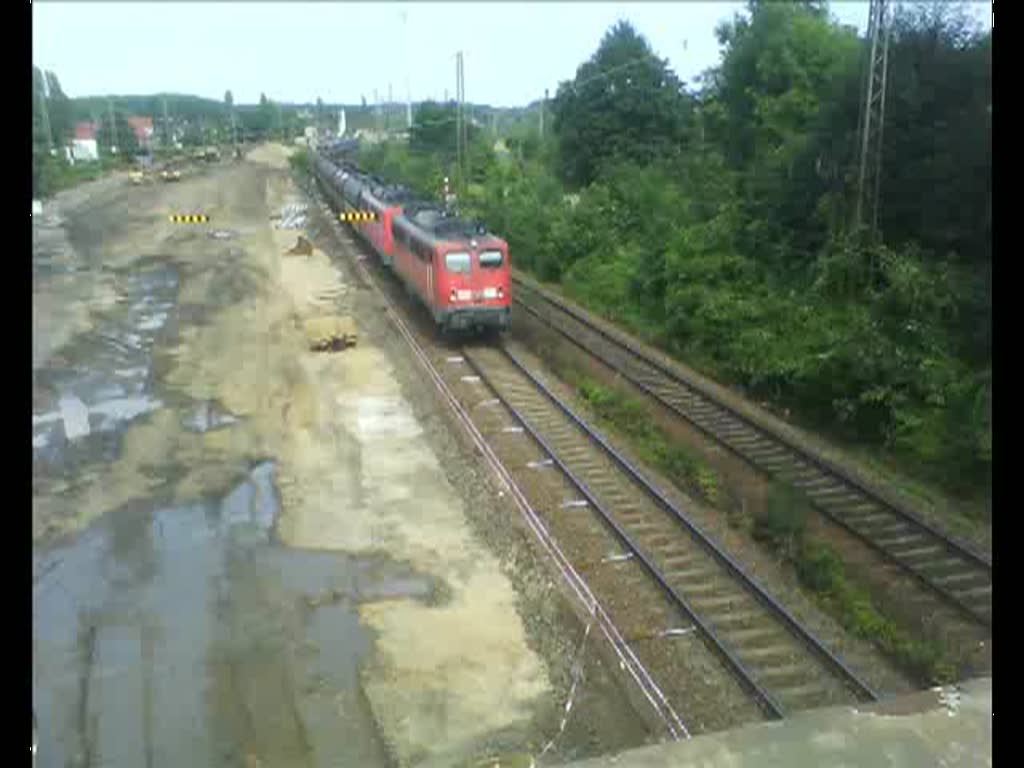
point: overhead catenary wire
(572, 84)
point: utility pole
(46, 115)
(458, 117)
(466, 118)
(387, 118)
(871, 121)
(167, 122)
(408, 92)
(113, 127)
(543, 102)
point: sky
(342, 52)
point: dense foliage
(623, 105)
(719, 223)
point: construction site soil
(248, 552)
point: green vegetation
(628, 416)
(52, 174)
(718, 223)
(301, 162)
(782, 527)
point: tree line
(717, 221)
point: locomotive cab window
(491, 259)
(457, 262)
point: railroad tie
(621, 558)
(678, 631)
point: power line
(542, 105)
(113, 127)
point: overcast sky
(342, 51)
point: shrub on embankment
(820, 569)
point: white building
(83, 145)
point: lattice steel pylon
(871, 121)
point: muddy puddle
(94, 387)
(184, 635)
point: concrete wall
(949, 726)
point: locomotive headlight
(501, 292)
(451, 296)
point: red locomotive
(457, 269)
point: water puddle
(101, 380)
(207, 416)
(184, 635)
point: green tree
(937, 174)
(434, 130)
(624, 105)
(229, 104)
(42, 134)
(782, 105)
(60, 110)
(121, 136)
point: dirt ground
(250, 553)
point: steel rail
(746, 678)
(628, 660)
(975, 559)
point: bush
(300, 161)
(781, 526)
(52, 174)
(629, 416)
(820, 569)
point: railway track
(779, 663)
(776, 659)
(951, 569)
(627, 660)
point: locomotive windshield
(457, 262)
(491, 259)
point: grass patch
(629, 416)
(51, 175)
(301, 162)
(782, 527)
(821, 570)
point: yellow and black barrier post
(189, 218)
(355, 216)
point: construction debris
(330, 295)
(302, 247)
(293, 216)
(331, 333)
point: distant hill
(187, 108)
(182, 105)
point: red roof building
(143, 127)
(85, 131)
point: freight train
(455, 267)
